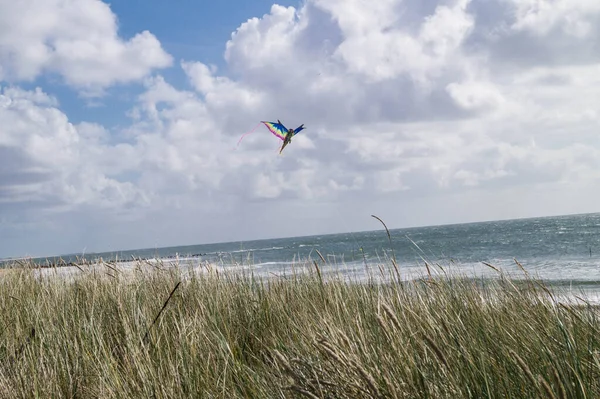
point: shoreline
(379, 273)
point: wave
(252, 250)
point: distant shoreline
(46, 263)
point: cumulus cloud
(52, 163)
(76, 39)
(424, 111)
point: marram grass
(168, 333)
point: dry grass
(166, 333)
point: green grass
(226, 336)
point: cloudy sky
(119, 123)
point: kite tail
(245, 134)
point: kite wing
(276, 128)
(297, 130)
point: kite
(285, 134)
(279, 130)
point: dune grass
(170, 333)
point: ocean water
(563, 250)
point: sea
(564, 251)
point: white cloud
(53, 163)
(575, 18)
(76, 39)
(475, 95)
(452, 109)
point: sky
(119, 121)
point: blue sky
(117, 132)
(192, 30)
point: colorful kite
(282, 132)
(279, 130)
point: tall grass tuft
(132, 334)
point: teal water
(564, 250)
